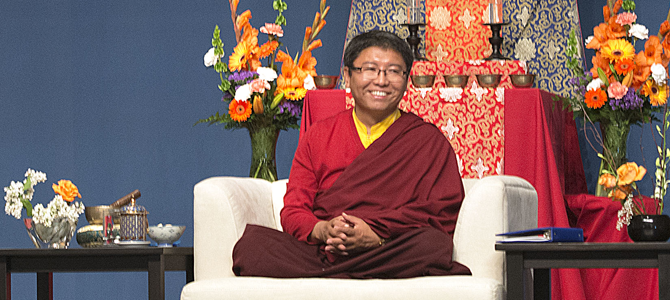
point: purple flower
(629, 101)
(242, 76)
(291, 107)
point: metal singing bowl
(489, 80)
(454, 80)
(94, 214)
(325, 81)
(522, 80)
(423, 81)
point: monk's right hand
(332, 233)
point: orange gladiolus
(314, 45)
(599, 61)
(66, 189)
(607, 180)
(630, 172)
(665, 28)
(599, 37)
(653, 50)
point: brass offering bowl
(522, 80)
(423, 81)
(94, 214)
(454, 80)
(325, 82)
(489, 80)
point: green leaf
(27, 185)
(280, 20)
(28, 206)
(601, 75)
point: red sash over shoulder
(406, 179)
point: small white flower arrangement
(18, 196)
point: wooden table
(154, 260)
(545, 256)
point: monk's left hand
(360, 236)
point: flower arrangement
(257, 97)
(18, 196)
(623, 88)
(255, 93)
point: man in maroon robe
(373, 192)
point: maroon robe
(405, 185)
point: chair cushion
(425, 288)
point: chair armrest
(222, 207)
(492, 205)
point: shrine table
(154, 260)
(541, 257)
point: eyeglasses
(393, 74)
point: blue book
(543, 235)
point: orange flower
(599, 37)
(665, 28)
(642, 70)
(600, 62)
(239, 110)
(595, 98)
(66, 189)
(620, 193)
(624, 66)
(630, 172)
(653, 50)
(607, 180)
(268, 48)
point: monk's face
(379, 85)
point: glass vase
(614, 136)
(58, 235)
(263, 147)
(30, 228)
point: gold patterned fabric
(538, 33)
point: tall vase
(615, 136)
(263, 146)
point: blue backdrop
(105, 93)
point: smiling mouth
(378, 93)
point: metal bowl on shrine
(522, 80)
(488, 80)
(455, 80)
(423, 81)
(325, 82)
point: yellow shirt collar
(376, 130)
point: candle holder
(496, 41)
(414, 40)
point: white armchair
(223, 206)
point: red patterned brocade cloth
(454, 30)
(471, 118)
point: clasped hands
(345, 234)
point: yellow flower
(630, 172)
(658, 94)
(66, 189)
(295, 93)
(618, 49)
(238, 59)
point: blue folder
(543, 235)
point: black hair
(381, 39)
